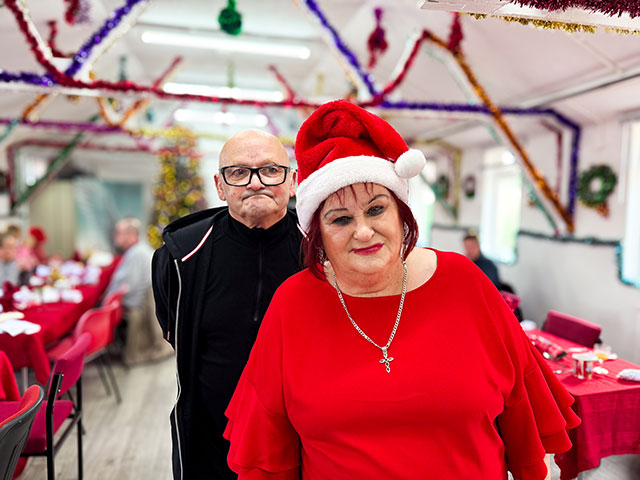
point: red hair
(314, 255)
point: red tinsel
(51, 41)
(455, 34)
(377, 43)
(283, 82)
(71, 11)
(608, 7)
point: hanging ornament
(230, 19)
(441, 187)
(377, 43)
(595, 196)
(455, 34)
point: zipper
(259, 289)
(175, 340)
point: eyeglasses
(240, 176)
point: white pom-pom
(410, 163)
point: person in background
(9, 270)
(31, 252)
(141, 338)
(213, 280)
(381, 360)
(473, 253)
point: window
(631, 241)
(421, 200)
(501, 205)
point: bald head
(256, 205)
(246, 143)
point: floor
(132, 440)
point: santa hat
(38, 233)
(341, 144)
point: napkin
(632, 374)
(15, 327)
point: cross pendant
(386, 359)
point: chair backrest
(71, 362)
(97, 323)
(572, 328)
(513, 300)
(14, 430)
(116, 299)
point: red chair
(97, 323)
(572, 328)
(15, 428)
(66, 372)
(513, 300)
(116, 299)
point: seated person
(473, 253)
(9, 271)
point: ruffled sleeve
(537, 412)
(264, 444)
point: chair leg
(80, 428)
(103, 377)
(50, 466)
(112, 377)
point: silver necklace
(385, 356)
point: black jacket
(180, 271)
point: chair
(98, 323)
(116, 299)
(66, 372)
(572, 328)
(15, 428)
(513, 300)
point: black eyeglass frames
(240, 176)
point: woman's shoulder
(299, 283)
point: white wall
(574, 278)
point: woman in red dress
(382, 360)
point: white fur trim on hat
(341, 173)
(410, 163)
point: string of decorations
(596, 197)
(283, 82)
(608, 7)
(51, 41)
(377, 41)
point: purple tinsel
(348, 54)
(479, 108)
(67, 126)
(28, 77)
(112, 22)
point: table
(55, 320)
(8, 386)
(608, 407)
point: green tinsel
(230, 19)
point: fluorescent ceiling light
(225, 92)
(225, 118)
(239, 45)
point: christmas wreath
(469, 186)
(590, 196)
(441, 186)
(596, 196)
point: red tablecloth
(56, 320)
(610, 411)
(8, 386)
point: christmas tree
(179, 190)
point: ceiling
(587, 77)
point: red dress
(467, 396)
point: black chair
(14, 430)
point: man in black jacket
(213, 280)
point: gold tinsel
(553, 25)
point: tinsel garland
(608, 7)
(283, 82)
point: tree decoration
(455, 34)
(595, 196)
(469, 186)
(377, 43)
(230, 19)
(608, 7)
(179, 190)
